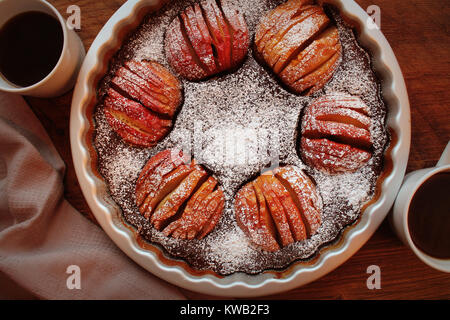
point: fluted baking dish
(109, 215)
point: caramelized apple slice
(214, 210)
(155, 169)
(151, 165)
(179, 198)
(240, 38)
(247, 217)
(158, 191)
(207, 36)
(339, 101)
(314, 56)
(277, 19)
(151, 84)
(276, 210)
(270, 50)
(180, 53)
(317, 79)
(169, 206)
(163, 83)
(297, 42)
(209, 215)
(294, 218)
(133, 122)
(338, 131)
(189, 217)
(220, 33)
(333, 157)
(304, 195)
(201, 43)
(211, 36)
(289, 208)
(265, 218)
(295, 39)
(341, 115)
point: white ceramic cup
(64, 75)
(399, 218)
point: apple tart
(202, 97)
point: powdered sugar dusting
(235, 125)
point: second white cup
(399, 218)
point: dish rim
(128, 16)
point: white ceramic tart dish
(238, 284)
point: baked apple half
(178, 196)
(207, 38)
(280, 207)
(298, 42)
(336, 134)
(142, 102)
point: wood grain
(419, 33)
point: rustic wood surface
(419, 32)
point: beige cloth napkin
(41, 234)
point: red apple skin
(179, 54)
(207, 39)
(333, 157)
(247, 218)
(219, 32)
(336, 133)
(153, 173)
(304, 194)
(134, 123)
(200, 44)
(150, 83)
(276, 19)
(286, 35)
(239, 31)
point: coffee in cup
(40, 55)
(30, 47)
(421, 214)
(429, 216)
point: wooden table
(419, 32)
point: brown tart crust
(216, 215)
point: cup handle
(445, 158)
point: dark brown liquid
(429, 216)
(30, 46)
